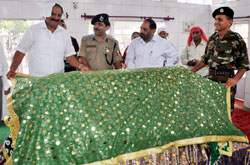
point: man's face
(146, 33)
(163, 34)
(222, 22)
(55, 17)
(196, 36)
(100, 28)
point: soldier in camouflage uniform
(225, 52)
(100, 51)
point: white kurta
(156, 53)
(194, 52)
(46, 50)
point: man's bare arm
(75, 63)
(233, 81)
(198, 66)
(118, 65)
(17, 59)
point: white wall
(77, 26)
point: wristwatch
(80, 66)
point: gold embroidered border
(13, 123)
(229, 103)
(156, 150)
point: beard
(145, 37)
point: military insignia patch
(106, 49)
(101, 18)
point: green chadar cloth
(107, 117)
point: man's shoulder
(111, 39)
(135, 41)
(36, 25)
(90, 36)
(213, 36)
(235, 35)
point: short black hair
(134, 33)
(151, 22)
(57, 5)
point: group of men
(49, 44)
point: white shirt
(156, 53)
(194, 52)
(3, 69)
(46, 50)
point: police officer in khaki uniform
(225, 52)
(100, 51)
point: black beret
(224, 11)
(101, 18)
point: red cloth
(124, 55)
(241, 120)
(195, 29)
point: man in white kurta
(4, 84)
(47, 45)
(194, 49)
(149, 50)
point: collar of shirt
(226, 36)
(203, 42)
(105, 39)
(44, 26)
(154, 39)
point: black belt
(227, 73)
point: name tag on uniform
(90, 46)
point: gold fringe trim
(156, 150)
(229, 103)
(13, 123)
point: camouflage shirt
(229, 53)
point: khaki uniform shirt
(99, 54)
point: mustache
(142, 35)
(95, 29)
(56, 20)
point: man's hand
(231, 82)
(195, 62)
(86, 68)
(11, 74)
(190, 63)
(7, 92)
